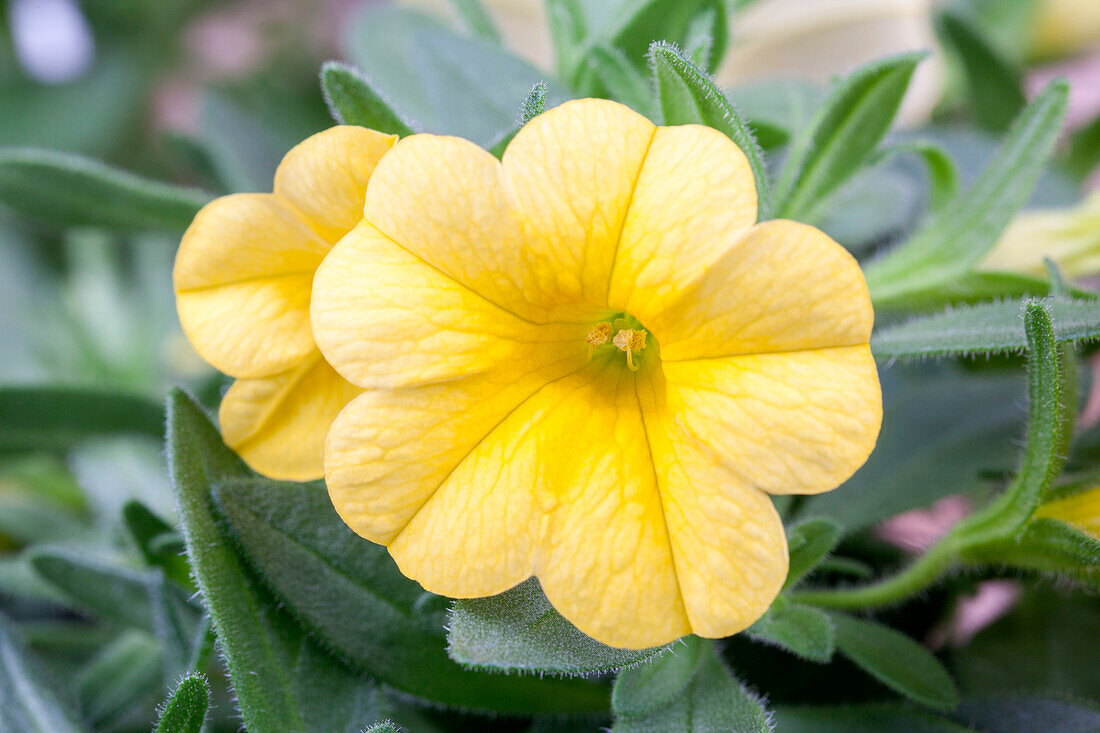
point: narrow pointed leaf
(943, 175)
(159, 543)
(29, 701)
(686, 95)
(520, 630)
(958, 235)
(985, 328)
(702, 698)
(995, 88)
(809, 542)
(353, 100)
(383, 727)
(331, 579)
(476, 19)
(896, 661)
(57, 418)
(70, 190)
(843, 135)
(121, 674)
(638, 23)
(1046, 546)
(802, 630)
(281, 678)
(185, 709)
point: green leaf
(1046, 546)
(520, 630)
(281, 679)
(185, 709)
(1083, 154)
(688, 690)
(687, 95)
(956, 238)
(896, 661)
(995, 89)
(636, 24)
(533, 106)
(843, 135)
(625, 82)
(945, 428)
(70, 190)
(809, 542)
(58, 418)
(353, 100)
(801, 630)
(943, 175)
(28, 698)
(159, 543)
(331, 579)
(437, 77)
(865, 718)
(119, 676)
(984, 328)
(568, 29)
(1046, 445)
(1029, 713)
(476, 19)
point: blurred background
(209, 94)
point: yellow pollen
(599, 334)
(629, 340)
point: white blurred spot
(53, 41)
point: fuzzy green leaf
(476, 19)
(801, 630)
(28, 698)
(995, 88)
(688, 690)
(282, 680)
(120, 675)
(985, 328)
(57, 418)
(1046, 546)
(383, 727)
(185, 709)
(687, 95)
(638, 23)
(70, 190)
(896, 661)
(809, 542)
(520, 630)
(842, 135)
(159, 543)
(943, 175)
(959, 234)
(353, 100)
(331, 579)
(1046, 445)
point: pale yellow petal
(573, 171)
(784, 286)
(693, 200)
(384, 317)
(789, 423)
(278, 424)
(242, 279)
(726, 536)
(325, 176)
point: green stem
(915, 578)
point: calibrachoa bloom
(243, 277)
(587, 363)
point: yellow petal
(278, 424)
(788, 423)
(693, 200)
(784, 286)
(242, 280)
(325, 176)
(726, 536)
(1079, 510)
(384, 317)
(573, 170)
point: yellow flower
(243, 277)
(1064, 27)
(510, 427)
(1081, 511)
(1070, 237)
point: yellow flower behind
(1081, 511)
(243, 276)
(587, 363)
(1069, 236)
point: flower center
(625, 334)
